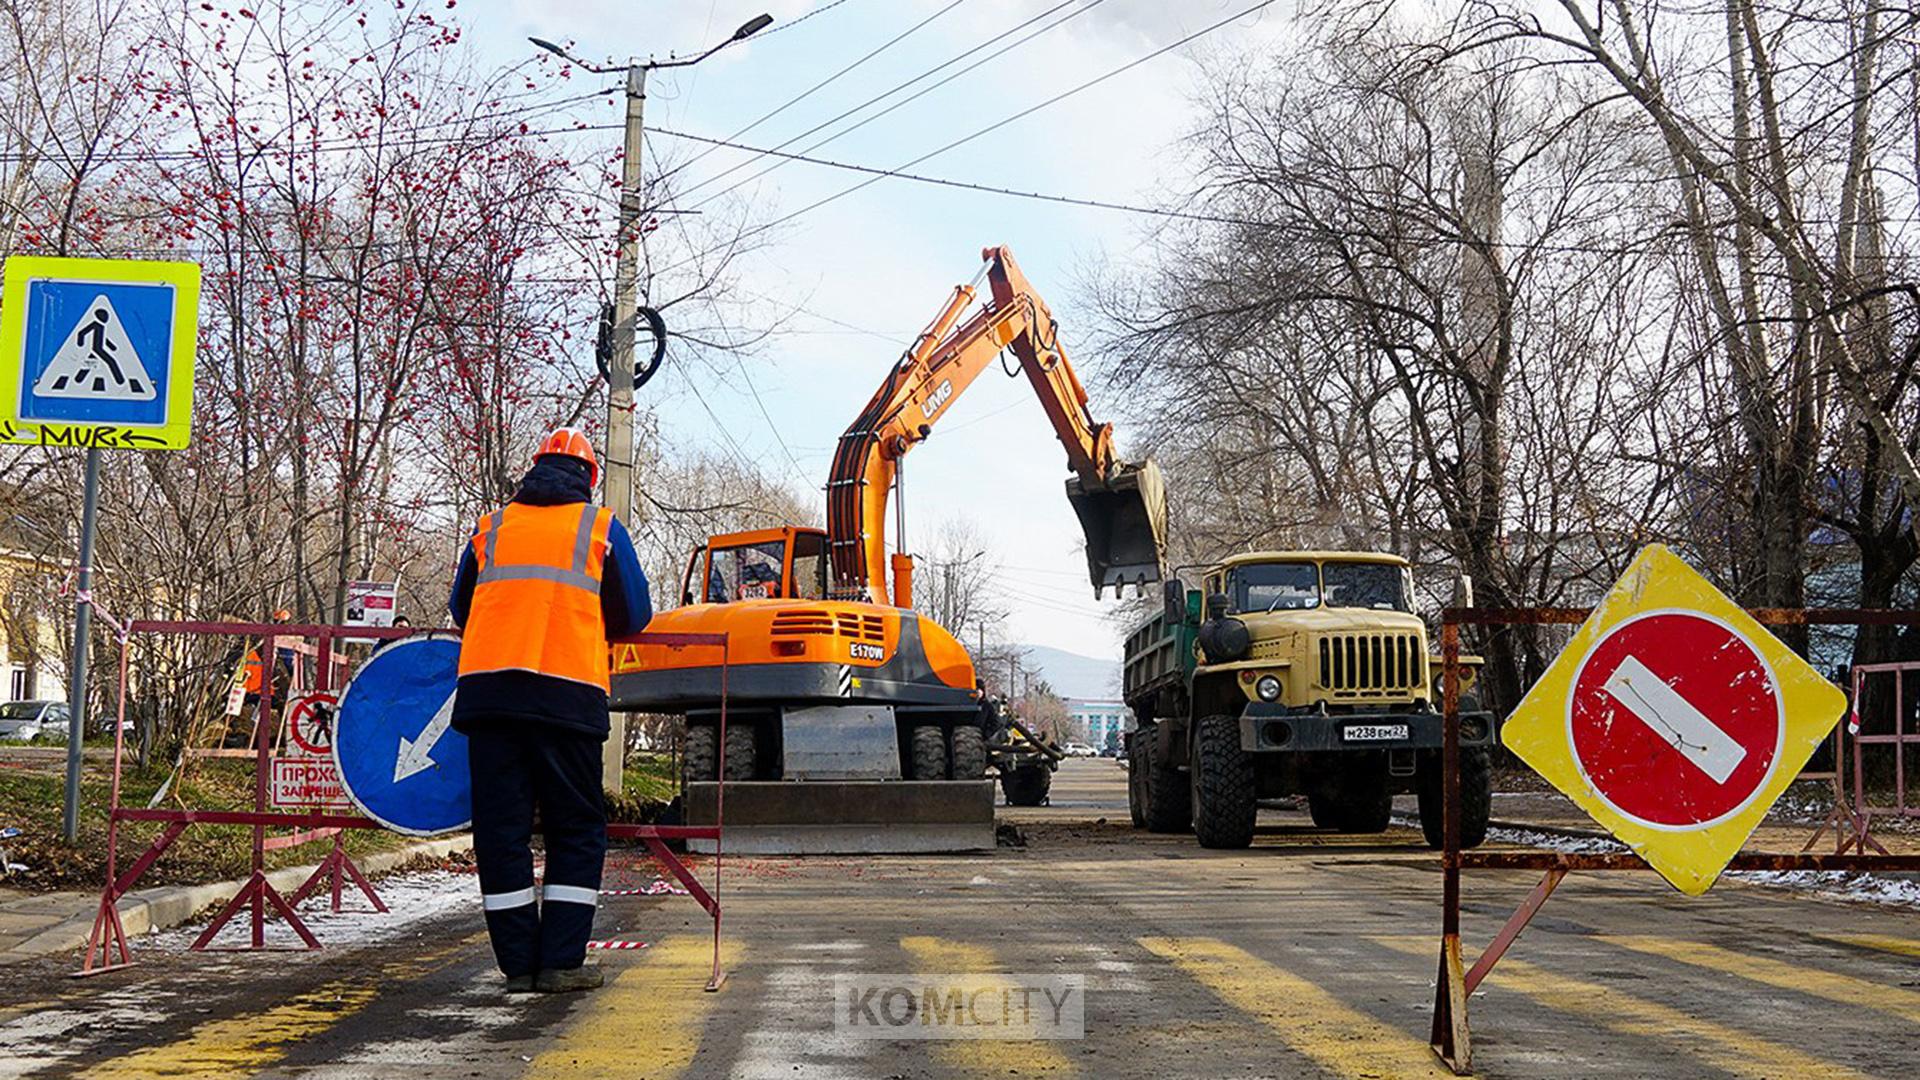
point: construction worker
(541, 587)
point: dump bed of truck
(1157, 656)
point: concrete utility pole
(618, 460)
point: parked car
(1113, 752)
(1078, 749)
(24, 721)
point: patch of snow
(410, 898)
(1900, 891)
(1839, 885)
(1572, 845)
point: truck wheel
(741, 763)
(1222, 785)
(1324, 808)
(969, 753)
(1365, 801)
(1476, 798)
(1137, 780)
(1169, 805)
(702, 751)
(929, 753)
(1027, 785)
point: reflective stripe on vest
(536, 598)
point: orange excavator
(833, 679)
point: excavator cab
(761, 564)
(1125, 520)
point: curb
(171, 905)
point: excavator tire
(1027, 785)
(741, 763)
(929, 753)
(702, 751)
(969, 753)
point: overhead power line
(981, 133)
(936, 69)
(823, 83)
(821, 10)
(967, 185)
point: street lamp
(626, 302)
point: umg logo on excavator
(936, 399)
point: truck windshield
(1380, 586)
(1279, 586)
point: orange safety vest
(536, 600)
(252, 668)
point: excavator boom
(1121, 505)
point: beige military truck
(1295, 673)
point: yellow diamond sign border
(176, 430)
(1539, 733)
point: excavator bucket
(1125, 520)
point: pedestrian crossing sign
(98, 352)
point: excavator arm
(1122, 506)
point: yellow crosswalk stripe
(646, 1021)
(1881, 942)
(1317, 1025)
(1721, 1047)
(1845, 989)
(243, 1045)
(982, 1057)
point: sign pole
(82, 619)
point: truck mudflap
(1277, 729)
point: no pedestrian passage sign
(98, 352)
(1674, 719)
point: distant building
(1104, 721)
(32, 616)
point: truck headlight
(1268, 688)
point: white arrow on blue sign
(400, 762)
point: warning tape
(659, 887)
(616, 944)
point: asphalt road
(1310, 955)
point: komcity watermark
(960, 1006)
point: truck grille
(1372, 663)
(848, 624)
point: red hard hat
(573, 443)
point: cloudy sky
(861, 275)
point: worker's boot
(584, 977)
(519, 984)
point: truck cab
(1294, 673)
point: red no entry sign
(1675, 719)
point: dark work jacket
(515, 699)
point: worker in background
(542, 586)
(251, 678)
